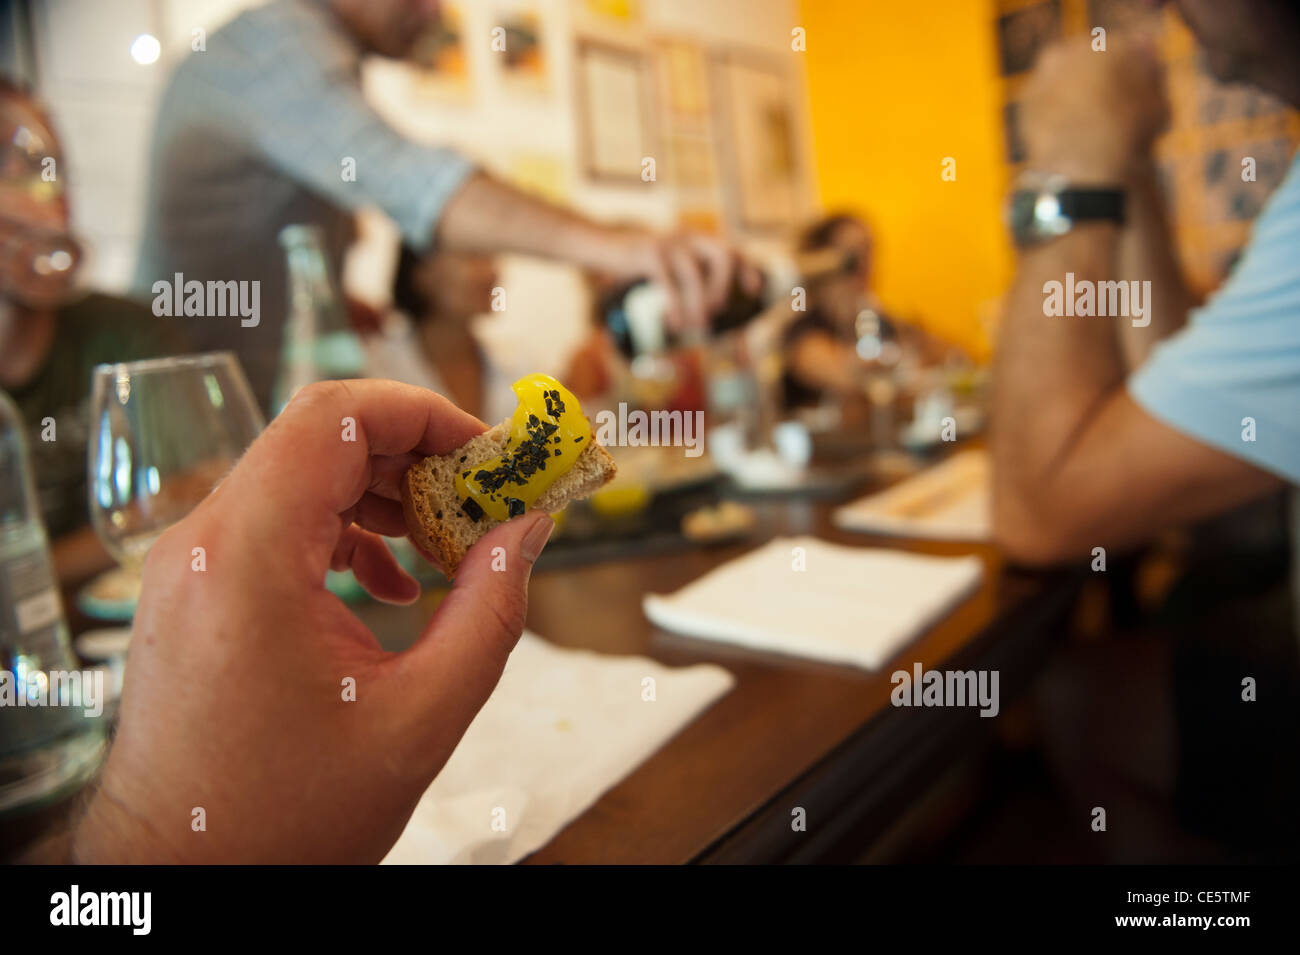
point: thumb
(460, 656)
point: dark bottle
(634, 311)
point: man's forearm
(1147, 253)
(1051, 371)
(488, 215)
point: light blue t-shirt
(1239, 355)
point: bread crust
(434, 521)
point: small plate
(112, 595)
(104, 644)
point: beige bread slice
(432, 508)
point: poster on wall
(686, 79)
(441, 67)
(691, 160)
(520, 52)
(761, 157)
(613, 111)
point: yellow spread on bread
(548, 432)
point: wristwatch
(1044, 207)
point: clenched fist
(1091, 115)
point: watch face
(1021, 211)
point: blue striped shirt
(1231, 377)
(263, 129)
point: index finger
(314, 460)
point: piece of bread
(432, 508)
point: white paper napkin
(948, 501)
(561, 727)
(850, 605)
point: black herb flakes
(554, 404)
(470, 508)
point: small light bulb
(146, 49)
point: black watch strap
(1092, 204)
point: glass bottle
(50, 742)
(319, 341)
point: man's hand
(697, 271)
(487, 215)
(1093, 115)
(235, 699)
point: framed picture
(523, 62)
(614, 110)
(686, 79)
(691, 160)
(759, 145)
(439, 59)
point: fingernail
(531, 546)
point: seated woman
(827, 349)
(52, 333)
(427, 338)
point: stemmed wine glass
(163, 433)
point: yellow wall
(894, 88)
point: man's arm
(816, 359)
(309, 118)
(1147, 251)
(1077, 464)
(485, 214)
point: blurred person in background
(268, 126)
(821, 347)
(1142, 427)
(52, 333)
(1110, 430)
(427, 338)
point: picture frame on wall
(615, 114)
(685, 74)
(758, 139)
(440, 64)
(524, 64)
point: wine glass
(163, 433)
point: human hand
(235, 693)
(1092, 116)
(696, 271)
